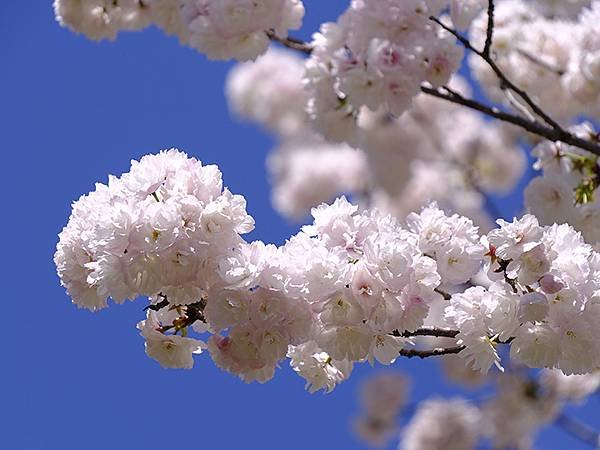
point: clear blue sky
(71, 112)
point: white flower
(464, 11)
(550, 199)
(170, 350)
(514, 238)
(317, 367)
(225, 29)
(574, 388)
(449, 424)
(452, 241)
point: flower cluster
(221, 29)
(104, 19)
(452, 241)
(435, 151)
(567, 192)
(269, 91)
(156, 229)
(544, 299)
(224, 29)
(519, 402)
(348, 288)
(359, 278)
(377, 55)
(308, 171)
(382, 399)
(449, 424)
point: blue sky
(71, 112)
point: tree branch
(547, 132)
(292, 43)
(428, 331)
(433, 352)
(553, 131)
(490, 29)
(535, 60)
(579, 430)
(443, 294)
(505, 83)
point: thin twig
(292, 43)
(516, 104)
(535, 60)
(490, 29)
(444, 294)
(505, 83)
(579, 430)
(433, 352)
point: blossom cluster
(357, 280)
(351, 287)
(435, 151)
(377, 55)
(520, 402)
(382, 398)
(567, 191)
(543, 299)
(551, 49)
(221, 29)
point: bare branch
(292, 43)
(443, 294)
(579, 430)
(549, 133)
(535, 60)
(433, 352)
(505, 83)
(428, 331)
(490, 28)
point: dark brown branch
(289, 42)
(430, 331)
(554, 132)
(490, 28)
(433, 352)
(547, 132)
(505, 83)
(443, 294)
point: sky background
(71, 112)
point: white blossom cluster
(567, 192)
(435, 151)
(510, 418)
(348, 288)
(442, 424)
(360, 279)
(220, 29)
(382, 398)
(544, 299)
(269, 91)
(376, 55)
(305, 169)
(524, 405)
(156, 231)
(551, 49)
